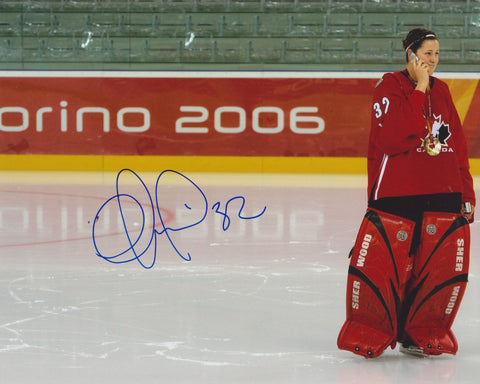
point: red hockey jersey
(397, 163)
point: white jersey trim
(383, 166)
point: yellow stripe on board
(475, 167)
(352, 165)
(85, 163)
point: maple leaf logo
(440, 130)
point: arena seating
(156, 34)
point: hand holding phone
(418, 71)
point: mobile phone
(412, 55)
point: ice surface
(261, 301)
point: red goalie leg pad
(439, 280)
(379, 268)
(363, 340)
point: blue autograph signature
(139, 245)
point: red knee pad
(439, 280)
(379, 268)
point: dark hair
(416, 37)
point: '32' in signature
(140, 241)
